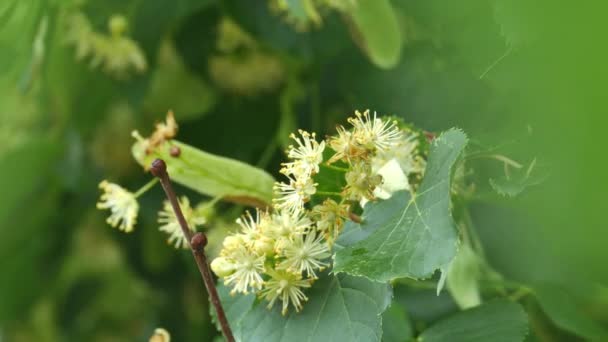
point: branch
(197, 244)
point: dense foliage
(499, 238)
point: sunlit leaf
(210, 174)
(497, 321)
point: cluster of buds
(115, 53)
(278, 252)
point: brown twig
(197, 244)
(354, 217)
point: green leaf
(564, 312)
(396, 326)
(377, 26)
(409, 235)
(210, 174)
(340, 308)
(423, 305)
(27, 243)
(27, 169)
(19, 21)
(463, 277)
(330, 179)
(495, 321)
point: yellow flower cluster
(277, 253)
(122, 205)
(124, 209)
(381, 157)
(302, 13)
(116, 54)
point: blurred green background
(240, 75)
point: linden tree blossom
(344, 145)
(330, 217)
(372, 131)
(361, 182)
(404, 153)
(308, 153)
(122, 204)
(255, 231)
(305, 254)
(286, 286)
(279, 252)
(160, 335)
(293, 195)
(247, 268)
(306, 158)
(170, 225)
(281, 244)
(285, 226)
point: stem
(472, 233)
(315, 102)
(520, 293)
(498, 157)
(267, 154)
(417, 284)
(337, 168)
(354, 217)
(197, 245)
(146, 187)
(328, 193)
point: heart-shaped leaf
(409, 235)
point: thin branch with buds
(197, 243)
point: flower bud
(117, 25)
(160, 335)
(263, 245)
(232, 242)
(222, 267)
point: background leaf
(564, 311)
(376, 25)
(497, 321)
(415, 235)
(396, 326)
